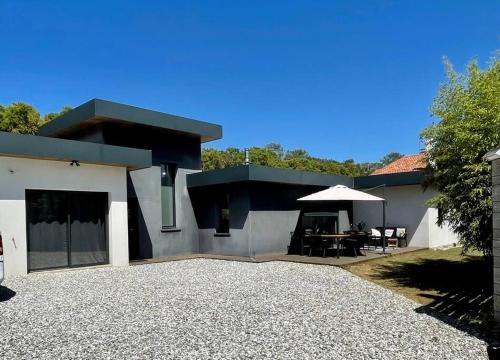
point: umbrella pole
(383, 226)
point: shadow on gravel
(459, 293)
(6, 294)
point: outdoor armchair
(375, 237)
(401, 234)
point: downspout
(384, 204)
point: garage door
(66, 229)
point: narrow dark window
(223, 215)
(168, 172)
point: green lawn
(442, 280)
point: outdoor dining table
(336, 237)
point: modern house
(107, 183)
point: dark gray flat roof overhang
(398, 179)
(289, 176)
(98, 111)
(39, 147)
(265, 174)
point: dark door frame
(68, 224)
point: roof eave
(265, 174)
(98, 110)
(44, 148)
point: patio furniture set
(352, 241)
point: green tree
(52, 115)
(369, 167)
(392, 156)
(211, 159)
(468, 108)
(23, 118)
(298, 153)
(264, 156)
(19, 118)
(233, 157)
(277, 149)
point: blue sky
(341, 79)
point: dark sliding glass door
(66, 228)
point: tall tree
(20, 118)
(468, 108)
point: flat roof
(265, 174)
(395, 179)
(296, 177)
(98, 111)
(39, 147)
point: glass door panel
(47, 229)
(87, 228)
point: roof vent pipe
(247, 157)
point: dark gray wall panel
(153, 241)
(183, 150)
(239, 205)
(262, 216)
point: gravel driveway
(209, 309)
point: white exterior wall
(406, 206)
(19, 174)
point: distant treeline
(275, 155)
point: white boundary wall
(19, 174)
(406, 206)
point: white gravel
(209, 309)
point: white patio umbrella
(343, 193)
(340, 193)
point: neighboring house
(408, 163)
(106, 183)
(406, 202)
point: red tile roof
(405, 164)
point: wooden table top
(333, 236)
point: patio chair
(306, 241)
(353, 245)
(362, 242)
(375, 237)
(317, 243)
(402, 234)
(390, 235)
